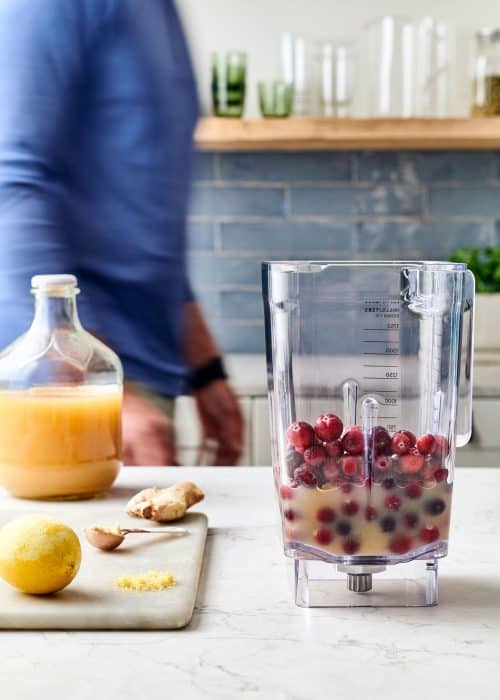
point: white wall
(256, 27)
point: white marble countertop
(248, 639)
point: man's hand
(148, 435)
(221, 420)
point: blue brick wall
(247, 207)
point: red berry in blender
(350, 546)
(441, 447)
(388, 483)
(411, 520)
(328, 427)
(411, 462)
(371, 513)
(353, 441)
(349, 465)
(289, 514)
(428, 534)
(300, 434)
(435, 506)
(425, 444)
(383, 462)
(381, 440)
(350, 508)
(413, 490)
(400, 544)
(330, 469)
(323, 536)
(343, 527)
(305, 476)
(346, 487)
(334, 448)
(441, 474)
(402, 442)
(286, 492)
(325, 515)
(392, 502)
(315, 455)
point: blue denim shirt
(97, 110)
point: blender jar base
(323, 584)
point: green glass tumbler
(275, 98)
(229, 83)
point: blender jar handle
(464, 417)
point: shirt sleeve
(41, 67)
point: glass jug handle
(464, 417)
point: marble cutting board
(91, 602)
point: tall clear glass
(370, 381)
(60, 402)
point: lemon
(38, 555)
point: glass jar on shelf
(486, 86)
(60, 402)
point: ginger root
(163, 505)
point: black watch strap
(209, 372)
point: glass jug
(366, 364)
(486, 97)
(60, 402)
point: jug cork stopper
(53, 282)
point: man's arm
(218, 407)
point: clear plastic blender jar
(370, 390)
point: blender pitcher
(370, 391)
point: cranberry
(441, 474)
(349, 465)
(381, 440)
(392, 502)
(293, 484)
(343, 527)
(334, 448)
(350, 508)
(328, 427)
(388, 483)
(402, 442)
(425, 444)
(286, 492)
(371, 513)
(293, 460)
(300, 434)
(428, 534)
(325, 515)
(289, 514)
(305, 476)
(400, 544)
(411, 520)
(383, 462)
(388, 524)
(345, 487)
(413, 490)
(315, 455)
(353, 441)
(323, 536)
(330, 469)
(435, 506)
(411, 462)
(441, 447)
(350, 546)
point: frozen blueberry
(343, 527)
(388, 524)
(435, 506)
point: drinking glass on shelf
(432, 69)
(336, 76)
(229, 83)
(389, 73)
(486, 99)
(298, 67)
(275, 98)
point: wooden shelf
(304, 133)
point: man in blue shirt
(98, 106)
